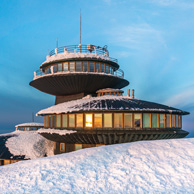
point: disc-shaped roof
(110, 103)
(32, 124)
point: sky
(153, 41)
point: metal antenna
(57, 43)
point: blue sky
(152, 39)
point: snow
(163, 166)
(30, 144)
(57, 131)
(29, 124)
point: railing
(117, 73)
(83, 49)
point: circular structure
(29, 126)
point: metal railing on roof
(83, 49)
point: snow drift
(163, 166)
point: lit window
(102, 67)
(162, 120)
(88, 120)
(72, 66)
(64, 123)
(78, 147)
(85, 66)
(97, 67)
(54, 68)
(173, 120)
(98, 120)
(154, 120)
(118, 120)
(146, 120)
(127, 120)
(137, 120)
(168, 120)
(79, 120)
(62, 147)
(58, 121)
(78, 66)
(60, 67)
(71, 120)
(91, 66)
(7, 162)
(107, 120)
(177, 121)
(65, 66)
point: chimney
(133, 93)
(128, 92)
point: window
(107, 69)
(180, 121)
(54, 68)
(58, 121)
(137, 120)
(62, 147)
(127, 120)
(32, 129)
(98, 120)
(91, 66)
(108, 120)
(102, 67)
(46, 121)
(88, 120)
(146, 120)
(60, 67)
(168, 120)
(78, 66)
(78, 147)
(7, 162)
(162, 120)
(64, 123)
(177, 121)
(54, 121)
(72, 66)
(65, 66)
(173, 120)
(47, 70)
(71, 120)
(79, 120)
(118, 120)
(85, 66)
(49, 121)
(22, 129)
(154, 120)
(97, 67)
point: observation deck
(78, 69)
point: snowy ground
(163, 166)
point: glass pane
(54, 121)
(71, 120)
(107, 69)
(58, 121)
(54, 68)
(137, 120)
(85, 66)
(46, 121)
(91, 66)
(78, 146)
(102, 67)
(78, 66)
(154, 120)
(47, 70)
(98, 120)
(97, 67)
(146, 120)
(60, 67)
(177, 121)
(173, 120)
(107, 120)
(65, 66)
(79, 120)
(118, 120)
(180, 119)
(162, 120)
(167, 120)
(127, 120)
(64, 123)
(49, 121)
(62, 146)
(89, 120)
(72, 66)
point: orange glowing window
(88, 120)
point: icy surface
(30, 144)
(29, 124)
(163, 166)
(57, 131)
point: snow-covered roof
(32, 124)
(109, 90)
(164, 166)
(56, 131)
(109, 103)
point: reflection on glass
(53, 120)
(65, 66)
(173, 120)
(89, 120)
(64, 123)
(107, 69)
(127, 120)
(58, 121)
(60, 67)
(72, 66)
(78, 66)
(78, 147)
(98, 120)
(91, 66)
(79, 120)
(47, 70)
(137, 120)
(49, 121)
(102, 67)
(71, 120)
(154, 120)
(168, 120)
(85, 66)
(118, 120)
(54, 68)
(97, 67)
(146, 120)
(162, 120)
(177, 121)
(107, 120)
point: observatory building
(90, 109)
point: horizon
(152, 41)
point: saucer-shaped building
(90, 103)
